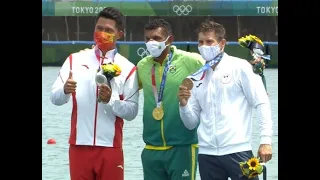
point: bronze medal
(157, 113)
(187, 83)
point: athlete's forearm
(189, 116)
(265, 123)
(126, 108)
(58, 97)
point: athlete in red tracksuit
(96, 128)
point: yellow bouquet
(106, 72)
(247, 40)
(251, 168)
(256, 47)
(111, 70)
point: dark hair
(114, 14)
(156, 23)
(209, 26)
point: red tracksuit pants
(95, 163)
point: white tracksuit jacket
(223, 101)
(92, 123)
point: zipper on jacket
(215, 116)
(95, 119)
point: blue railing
(97, 1)
(163, 0)
(137, 42)
(55, 52)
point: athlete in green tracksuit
(171, 149)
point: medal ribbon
(114, 54)
(101, 62)
(214, 61)
(102, 57)
(158, 97)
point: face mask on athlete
(155, 48)
(104, 40)
(208, 53)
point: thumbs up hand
(70, 75)
(70, 85)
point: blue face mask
(208, 53)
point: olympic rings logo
(182, 10)
(142, 52)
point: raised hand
(184, 94)
(70, 85)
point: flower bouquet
(251, 168)
(256, 47)
(106, 72)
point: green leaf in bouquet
(246, 171)
(243, 44)
(259, 169)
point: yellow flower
(248, 37)
(253, 163)
(107, 68)
(256, 39)
(111, 70)
(117, 70)
(244, 41)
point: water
(56, 124)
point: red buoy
(51, 141)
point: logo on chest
(86, 66)
(226, 78)
(172, 69)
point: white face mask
(209, 52)
(155, 48)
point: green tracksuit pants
(176, 163)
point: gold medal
(187, 83)
(157, 113)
